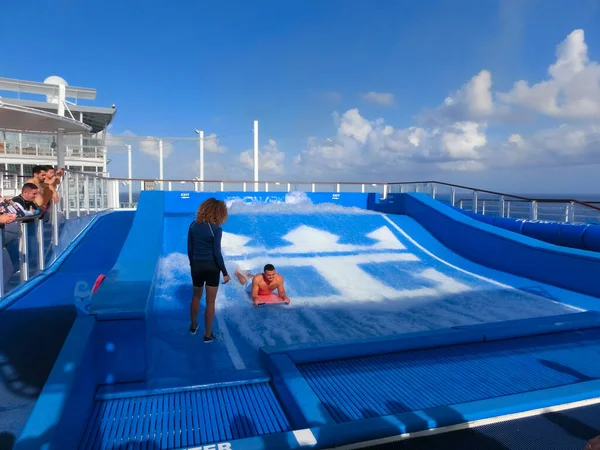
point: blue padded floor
(394, 383)
(184, 419)
(564, 430)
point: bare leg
(209, 313)
(195, 306)
(240, 276)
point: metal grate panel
(184, 419)
(394, 383)
(565, 430)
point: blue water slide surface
(35, 325)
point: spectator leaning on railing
(25, 204)
(46, 178)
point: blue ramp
(34, 327)
(351, 274)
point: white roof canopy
(32, 87)
(22, 119)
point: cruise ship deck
(412, 324)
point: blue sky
(304, 70)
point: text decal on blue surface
(219, 446)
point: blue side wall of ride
(581, 236)
(39, 315)
(498, 248)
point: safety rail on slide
(83, 194)
(492, 203)
(480, 201)
(31, 243)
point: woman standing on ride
(206, 261)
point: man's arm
(254, 291)
(281, 291)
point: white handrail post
(95, 194)
(40, 239)
(160, 164)
(55, 224)
(454, 197)
(77, 193)
(23, 253)
(572, 213)
(385, 191)
(86, 194)
(67, 203)
(130, 176)
(534, 210)
(502, 206)
(474, 201)
(102, 192)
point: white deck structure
(23, 146)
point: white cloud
(573, 89)
(117, 143)
(471, 129)
(381, 98)
(370, 145)
(473, 101)
(271, 159)
(211, 144)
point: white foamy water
(294, 203)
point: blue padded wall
(500, 249)
(581, 236)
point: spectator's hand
(7, 218)
(60, 172)
(226, 279)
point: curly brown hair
(212, 211)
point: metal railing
(481, 201)
(32, 243)
(84, 194)
(490, 203)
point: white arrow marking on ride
(235, 245)
(305, 239)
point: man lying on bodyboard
(261, 287)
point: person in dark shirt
(206, 261)
(26, 199)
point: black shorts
(205, 272)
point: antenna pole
(256, 156)
(201, 160)
(60, 151)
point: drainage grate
(365, 387)
(184, 419)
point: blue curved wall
(581, 236)
(39, 315)
(498, 248)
